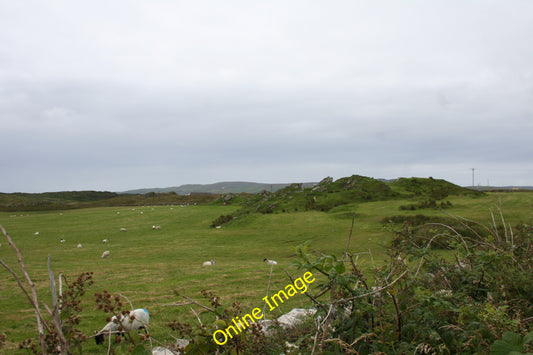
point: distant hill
(217, 188)
(82, 199)
(20, 201)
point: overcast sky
(118, 95)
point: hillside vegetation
(329, 194)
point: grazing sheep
(123, 229)
(80, 246)
(105, 254)
(209, 263)
(136, 319)
(105, 240)
(36, 233)
(270, 262)
(62, 240)
(156, 228)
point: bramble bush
(424, 303)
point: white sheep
(270, 262)
(156, 228)
(80, 246)
(36, 233)
(136, 319)
(105, 240)
(123, 229)
(209, 263)
(105, 254)
(62, 240)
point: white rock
(295, 316)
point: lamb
(123, 230)
(80, 246)
(105, 240)
(105, 254)
(270, 262)
(62, 240)
(156, 228)
(136, 319)
(209, 263)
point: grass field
(147, 266)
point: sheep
(156, 228)
(135, 320)
(270, 262)
(62, 240)
(36, 233)
(209, 263)
(123, 229)
(80, 246)
(105, 254)
(105, 240)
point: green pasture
(148, 266)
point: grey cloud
(156, 93)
